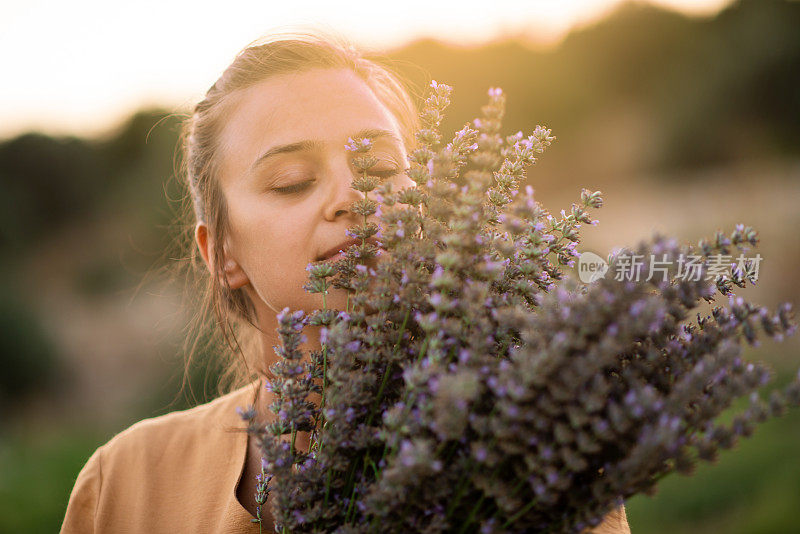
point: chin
(308, 302)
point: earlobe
(234, 273)
(232, 270)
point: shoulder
(615, 522)
(185, 433)
(218, 414)
(84, 498)
(165, 455)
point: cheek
(280, 245)
(276, 259)
(272, 242)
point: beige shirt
(178, 473)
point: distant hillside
(714, 89)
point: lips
(344, 245)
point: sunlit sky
(81, 66)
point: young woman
(269, 177)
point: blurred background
(686, 114)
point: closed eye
(302, 186)
(296, 188)
(387, 173)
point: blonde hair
(222, 311)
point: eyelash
(291, 189)
(302, 186)
(388, 173)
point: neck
(269, 338)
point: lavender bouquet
(471, 386)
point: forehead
(326, 105)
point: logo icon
(591, 267)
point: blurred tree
(45, 181)
(27, 356)
(716, 90)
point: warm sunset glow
(77, 67)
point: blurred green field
(753, 488)
(38, 469)
(40, 459)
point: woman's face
(286, 177)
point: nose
(341, 194)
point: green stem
(459, 494)
(327, 489)
(324, 375)
(423, 349)
(376, 405)
(472, 514)
(350, 506)
(402, 330)
(373, 466)
(522, 511)
(352, 489)
(377, 402)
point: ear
(233, 271)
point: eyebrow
(309, 144)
